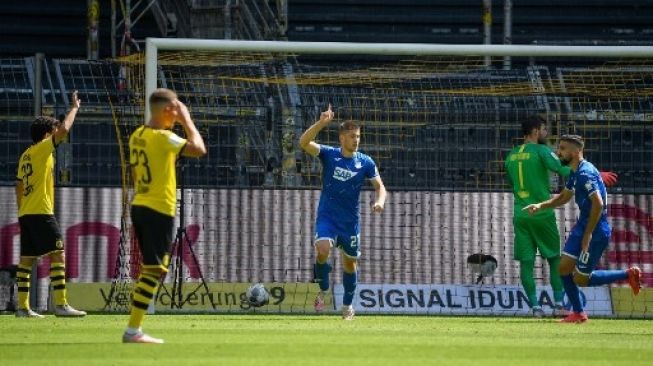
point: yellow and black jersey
(153, 153)
(36, 171)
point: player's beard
(565, 161)
(542, 141)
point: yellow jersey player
(154, 149)
(39, 230)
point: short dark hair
(348, 126)
(41, 126)
(530, 124)
(162, 95)
(574, 139)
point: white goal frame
(153, 45)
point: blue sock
(349, 283)
(603, 277)
(321, 275)
(573, 293)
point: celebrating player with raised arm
(344, 170)
(39, 230)
(590, 236)
(154, 149)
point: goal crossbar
(153, 45)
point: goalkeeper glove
(609, 178)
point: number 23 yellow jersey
(152, 157)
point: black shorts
(154, 233)
(39, 235)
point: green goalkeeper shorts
(536, 233)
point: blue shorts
(585, 262)
(347, 240)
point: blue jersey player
(590, 236)
(344, 171)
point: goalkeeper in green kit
(528, 167)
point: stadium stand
(461, 135)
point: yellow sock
(58, 283)
(22, 280)
(141, 297)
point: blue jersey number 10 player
(590, 236)
(344, 171)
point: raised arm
(62, 130)
(381, 194)
(306, 141)
(556, 201)
(195, 147)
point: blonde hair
(348, 126)
(161, 96)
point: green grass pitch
(326, 340)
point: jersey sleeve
(507, 170)
(371, 171)
(173, 142)
(325, 151)
(571, 182)
(588, 183)
(552, 162)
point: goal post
(438, 122)
(153, 45)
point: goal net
(438, 124)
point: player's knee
(580, 279)
(349, 265)
(27, 261)
(153, 272)
(57, 257)
(526, 265)
(565, 270)
(566, 267)
(323, 250)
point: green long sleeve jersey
(528, 167)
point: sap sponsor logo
(343, 174)
(454, 299)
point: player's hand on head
(183, 115)
(609, 178)
(377, 207)
(327, 115)
(74, 100)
